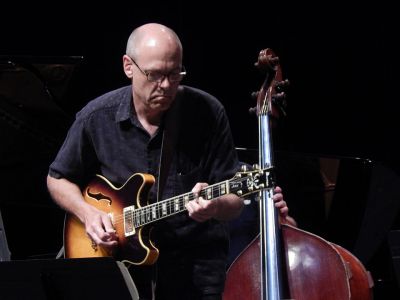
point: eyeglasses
(154, 76)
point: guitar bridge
(129, 225)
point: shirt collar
(124, 111)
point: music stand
(68, 279)
(4, 250)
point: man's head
(153, 61)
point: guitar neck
(165, 208)
(243, 183)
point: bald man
(122, 133)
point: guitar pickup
(129, 221)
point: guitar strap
(169, 140)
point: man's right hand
(99, 228)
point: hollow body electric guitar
(131, 214)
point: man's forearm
(67, 195)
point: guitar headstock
(251, 181)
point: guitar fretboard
(242, 184)
(135, 218)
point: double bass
(283, 261)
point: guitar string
(170, 203)
(140, 213)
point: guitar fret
(177, 204)
(209, 193)
(170, 208)
(223, 189)
(142, 220)
(135, 219)
(186, 199)
(163, 209)
(216, 192)
(159, 210)
(148, 214)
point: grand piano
(350, 201)
(35, 112)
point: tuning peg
(280, 100)
(273, 60)
(256, 166)
(252, 110)
(254, 95)
(243, 168)
(281, 85)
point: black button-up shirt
(107, 138)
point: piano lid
(37, 83)
(34, 102)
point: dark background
(342, 102)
